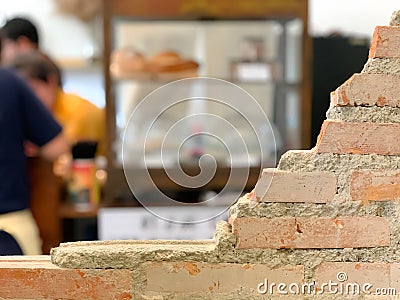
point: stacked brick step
(324, 224)
(336, 207)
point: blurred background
(289, 55)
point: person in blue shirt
(22, 118)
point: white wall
(350, 17)
(64, 38)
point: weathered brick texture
(368, 90)
(375, 274)
(313, 232)
(359, 138)
(38, 278)
(395, 276)
(385, 42)
(375, 185)
(381, 279)
(195, 277)
(284, 186)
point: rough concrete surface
(364, 114)
(395, 19)
(389, 66)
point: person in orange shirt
(23, 118)
(81, 119)
(20, 46)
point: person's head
(40, 72)
(18, 35)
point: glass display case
(260, 46)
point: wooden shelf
(78, 64)
(210, 9)
(218, 10)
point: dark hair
(18, 27)
(35, 65)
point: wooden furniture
(57, 218)
(45, 199)
(278, 11)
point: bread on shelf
(126, 62)
(165, 65)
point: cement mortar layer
(127, 254)
(309, 160)
(246, 208)
(390, 66)
(359, 114)
(395, 19)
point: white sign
(253, 71)
(136, 223)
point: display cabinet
(260, 45)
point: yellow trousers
(22, 226)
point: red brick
(359, 138)
(212, 278)
(368, 90)
(342, 232)
(314, 232)
(395, 276)
(30, 278)
(254, 232)
(375, 185)
(375, 274)
(385, 42)
(284, 186)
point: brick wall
(38, 278)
